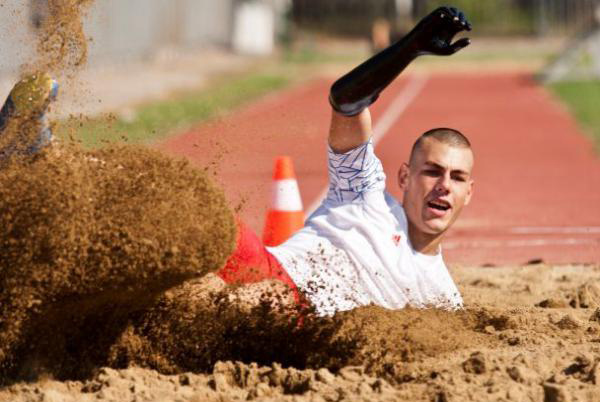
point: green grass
(156, 120)
(313, 55)
(582, 98)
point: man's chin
(435, 226)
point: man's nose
(443, 184)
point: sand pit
(504, 346)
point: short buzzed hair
(445, 135)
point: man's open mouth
(440, 205)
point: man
(361, 246)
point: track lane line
(555, 229)
(536, 242)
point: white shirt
(354, 249)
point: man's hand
(435, 32)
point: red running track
(537, 177)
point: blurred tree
(489, 17)
(520, 17)
(342, 17)
(492, 17)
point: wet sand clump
(193, 326)
(89, 237)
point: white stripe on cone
(286, 195)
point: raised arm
(351, 95)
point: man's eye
(459, 178)
(431, 172)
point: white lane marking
(398, 106)
(414, 86)
(517, 243)
(555, 229)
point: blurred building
(123, 30)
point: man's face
(437, 184)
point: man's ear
(469, 192)
(403, 175)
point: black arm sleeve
(358, 89)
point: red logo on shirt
(396, 239)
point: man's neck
(424, 243)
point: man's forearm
(351, 95)
(358, 89)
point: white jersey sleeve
(354, 173)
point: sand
(503, 346)
(62, 46)
(87, 238)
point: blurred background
(136, 29)
(150, 50)
(159, 66)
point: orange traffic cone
(286, 215)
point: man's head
(437, 180)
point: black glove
(358, 89)
(434, 33)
